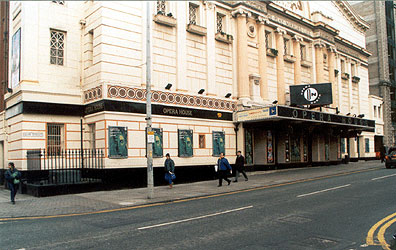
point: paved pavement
(27, 206)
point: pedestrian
(382, 154)
(12, 175)
(169, 170)
(224, 168)
(240, 166)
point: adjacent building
(221, 77)
(381, 42)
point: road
(331, 213)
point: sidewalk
(27, 206)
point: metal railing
(70, 166)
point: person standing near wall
(240, 166)
(169, 170)
(12, 176)
(224, 168)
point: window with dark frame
(202, 141)
(303, 52)
(161, 7)
(193, 13)
(268, 43)
(286, 46)
(367, 145)
(57, 50)
(92, 136)
(220, 22)
(55, 138)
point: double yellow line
(383, 224)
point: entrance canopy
(279, 113)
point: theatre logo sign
(311, 94)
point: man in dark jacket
(240, 166)
(224, 168)
(12, 175)
(169, 166)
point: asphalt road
(331, 213)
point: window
(367, 145)
(90, 48)
(220, 21)
(375, 111)
(193, 14)
(92, 136)
(303, 52)
(342, 66)
(202, 141)
(55, 138)
(286, 46)
(325, 59)
(57, 47)
(59, 2)
(353, 69)
(268, 39)
(342, 145)
(161, 7)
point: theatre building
(284, 82)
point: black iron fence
(70, 166)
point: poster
(270, 148)
(218, 142)
(158, 143)
(185, 143)
(16, 59)
(118, 142)
(249, 146)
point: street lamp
(149, 143)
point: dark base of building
(112, 179)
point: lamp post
(149, 144)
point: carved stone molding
(138, 94)
(281, 31)
(298, 38)
(241, 12)
(93, 94)
(262, 20)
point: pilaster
(297, 54)
(319, 62)
(332, 65)
(280, 67)
(262, 53)
(242, 55)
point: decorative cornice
(138, 94)
(280, 31)
(93, 94)
(262, 20)
(241, 12)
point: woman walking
(12, 175)
(169, 170)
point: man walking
(240, 166)
(224, 168)
(12, 175)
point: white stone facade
(104, 59)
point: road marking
(188, 199)
(321, 191)
(370, 234)
(195, 218)
(382, 177)
(381, 234)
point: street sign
(150, 137)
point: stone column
(262, 56)
(280, 67)
(211, 50)
(242, 55)
(297, 54)
(332, 79)
(319, 62)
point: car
(390, 158)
